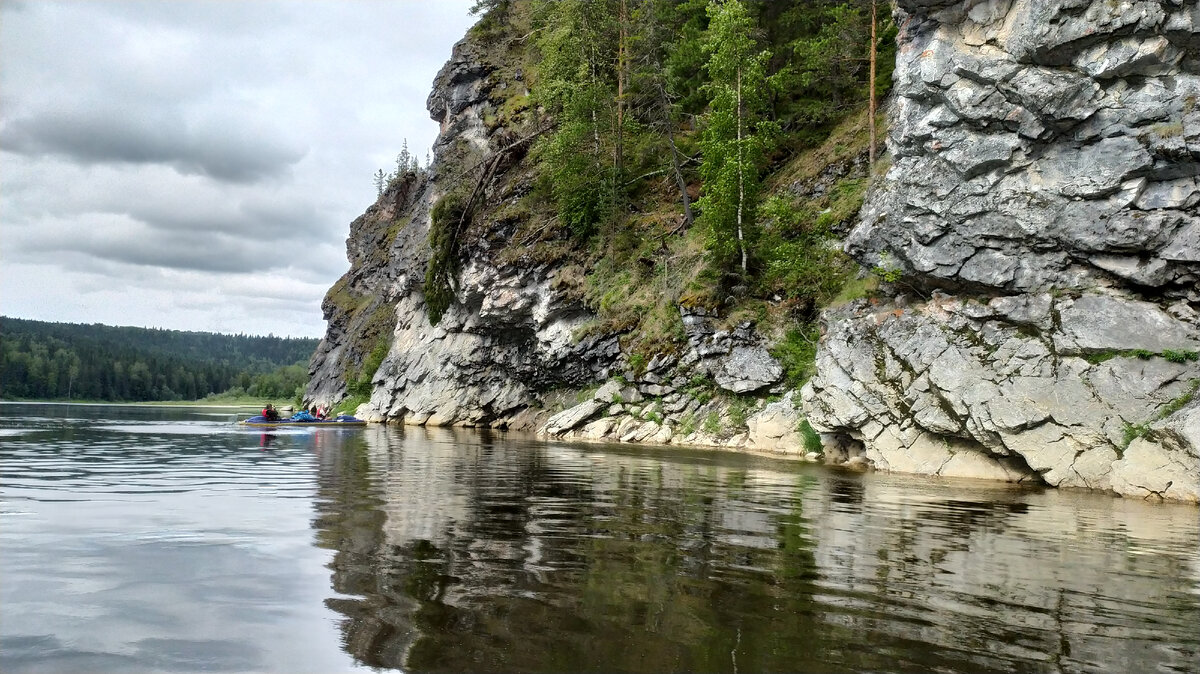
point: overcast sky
(195, 164)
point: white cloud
(196, 164)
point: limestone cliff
(1040, 222)
(1037, 231)
(509, 333)
(509, 344)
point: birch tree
(736, 135)
(871, 87)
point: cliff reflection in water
(457, 550)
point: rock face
(357, 308)
(672, 401)
(509, 333)
(1040, 144)
(954, 385)
(737, 359)
(509, 337)
(775, 428)
(688, 417)
(1164, 462)
(1042, 212)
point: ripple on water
(459, 551)
(170, 428)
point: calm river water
(168, 539)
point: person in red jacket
(269, 413)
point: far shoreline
(150, 403)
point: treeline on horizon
(61, 361)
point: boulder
(610, 392)
(570, 418)
(598, 429)
(775, 428)
(656, 390)
(631, 394)
(1165, 463)
(748, 368)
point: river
(167, 539)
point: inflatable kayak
(341, 421)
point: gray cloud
(193, 253)
(229, 152)
(259, 219)
(158, 155)
(189, 250)
(122, 239)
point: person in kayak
(270, 413)
(303, 415)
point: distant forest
(59, 361)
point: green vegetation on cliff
(682, 152)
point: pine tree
(688, 21)
(830, 59)
(381, 180)
(578, 42)
(406, 162)
(653, 35)
(403, 158)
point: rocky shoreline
(1037, 232)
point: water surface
(168, 539)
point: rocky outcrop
(511, 335)
(357, 308)
(1163, 463)
(1040, 144)
(776, 427)
(737, 359)
(618, 412)
(488, 358)
(686, 399)
(1039, 231)
(1022, 387)
(508, 335)
(1041, 218)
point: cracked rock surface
(1042, 208)
(663, 404)
(1043, 143)
(957, 387)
